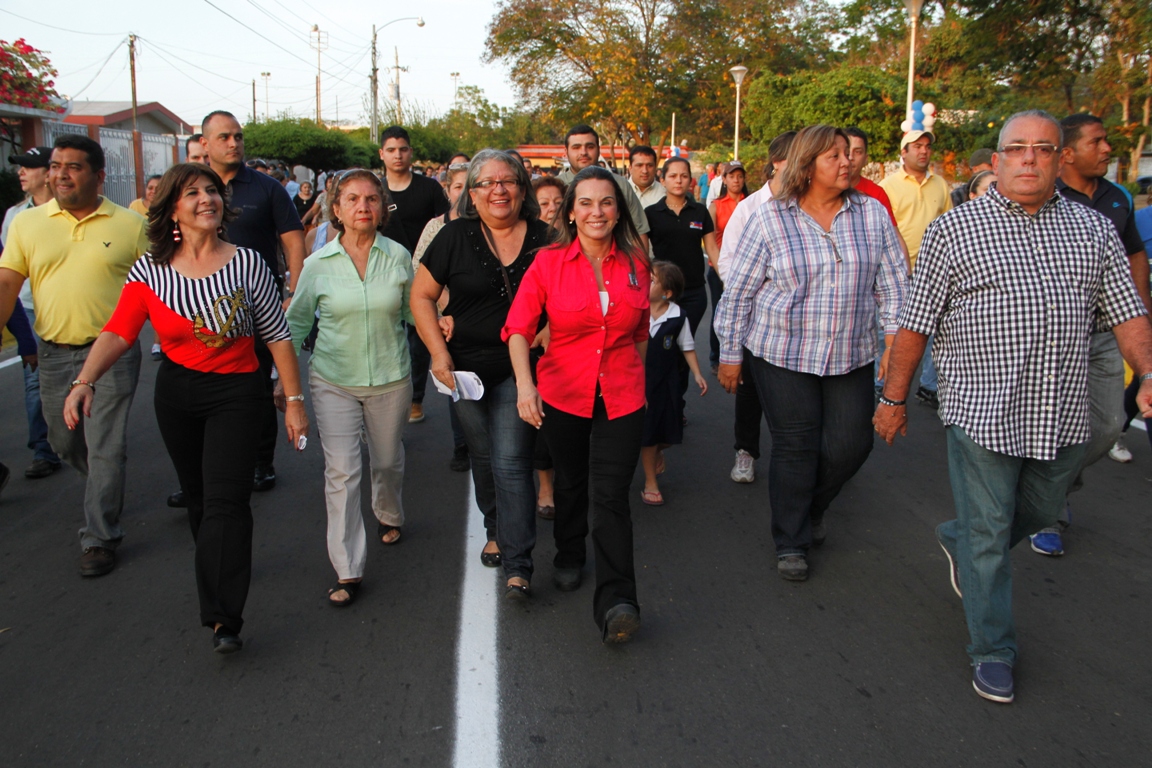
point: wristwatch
(1146, 376)
(295, 398)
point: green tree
(302, 141)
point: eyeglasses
(1043, 151)
(487, 184)
(458, 167)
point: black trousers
(269, 423)
(693, 303)
(603, 453)
(748, 411)
(209, 422)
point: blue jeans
(1000, 500)
(37, 427)
(500, 446)
(821, 430)
(928, 378)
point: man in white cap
(918, 196)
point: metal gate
(119, 166)
(53, 129)
(157, 151)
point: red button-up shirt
(587, 348)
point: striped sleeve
(268, 314)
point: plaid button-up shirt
(805, 299)
(1013, 299)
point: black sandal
(383, 529)
(350, 587)
(517, 591)
(491, 559)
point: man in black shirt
(1084, 162)
(415, 201)
(268, 223)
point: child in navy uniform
(670, 345)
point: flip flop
(652, 498)
(383, 530)
(350, 587)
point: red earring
(176, 233)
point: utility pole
(374, 133)
(266, 76)
(455, 88)
(254, 115)
(397, 69)
(132, 65)
(319, 41)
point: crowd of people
(560, 311)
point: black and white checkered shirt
(1013, 299)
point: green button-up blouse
(362, 340)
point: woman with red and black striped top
(206, 300)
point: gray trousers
(1105, 400)
(98, 447)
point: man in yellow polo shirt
(918, 196)
(75, 251)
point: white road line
(477, 684)
(1140, 424)
(11, 361)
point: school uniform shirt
(670, 336)
(206, 324)
(676, 238)
(684, 340)
(589, 349)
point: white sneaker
(743, 471)
(1120, 452)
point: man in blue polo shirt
(268, 223)
(1084, 161)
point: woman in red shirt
(735, 189)
(206, 299)
(593, 286)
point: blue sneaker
(1048, 542)
(993, 681)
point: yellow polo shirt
(76, 268)
(916, 204)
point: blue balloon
(917, 105)
(917, 125)
(917, 116)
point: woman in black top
(304, 198)
(480, 258)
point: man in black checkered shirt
(1013, 284)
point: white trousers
(340, 415)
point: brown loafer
(97, 561)
(546, 512)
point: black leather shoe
(620, 623)
(178, 500)
(97, 561)
(40, 468)
(265, 479)
(226, 641)
(460, 460)
(491, 559)
(567, 579)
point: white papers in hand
(468, 386)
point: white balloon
(929, 121)
(906, 126)
(929, 109)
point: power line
(155, 49)
(62, 29)
(110, 55)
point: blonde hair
(811, 142)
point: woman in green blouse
(359, 371)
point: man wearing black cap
(34, 183)
(980, 160)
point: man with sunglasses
(1084, 161)
(1013, 284)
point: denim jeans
(98, 447)
(928, 378)
(1131, 411)
(500, 447)
(37, 427)
(821, 430)
(1000, 500)
(1105, 401)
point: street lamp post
(914, 7)
(266, 76)
(374, 80)
(737, 73)
(455, 87)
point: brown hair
(624, 234)
(671, 278)
(808, 144)
(162, 247)
(347, 176)
(549, 181)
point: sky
(192, 58)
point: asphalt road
(863, 665)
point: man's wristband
(78, 382)
(1146, 376)
(893, 403)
